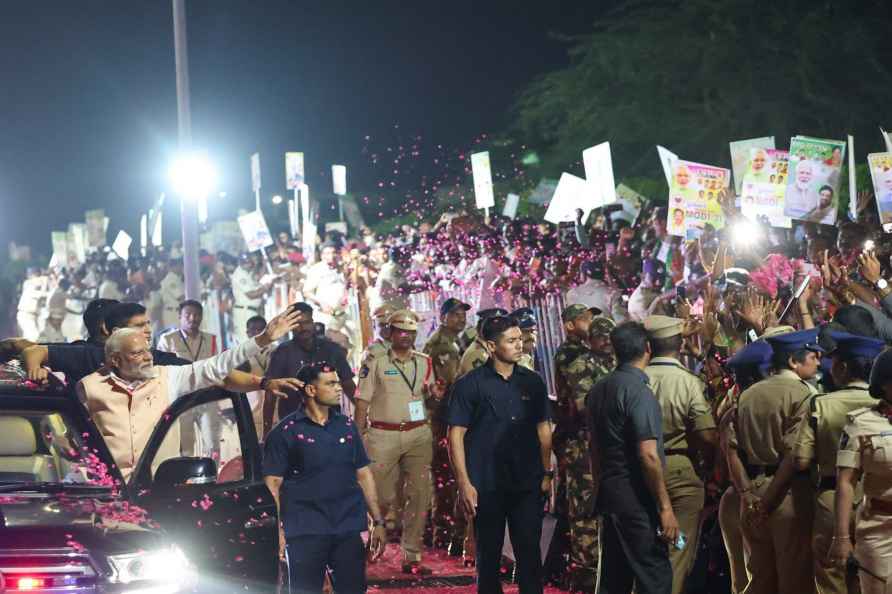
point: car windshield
(44, 446)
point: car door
(225, 520)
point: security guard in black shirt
(500, 446)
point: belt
(678, 452)
(827, 483)
(879, 505)
(768, 470)
(248, 307)
(397, 426)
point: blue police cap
(491, 313)
(796, 341)
(852, 345)
(525, 317)
(755, 354)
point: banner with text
(813, 184)
(694, 198)
(764, 185)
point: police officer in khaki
(688, 426)
(768, 416)
(864, 455)
(817, 442)
(526, 319)
(477, 354)
(396, 393)
(380, 345)
(443, 349)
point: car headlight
(168, 570)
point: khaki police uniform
(442, 347)
(818, 439)
(399, 439)
(684, 411)
(865, 445)
(768, 416)
(244, 308)
(476, 355)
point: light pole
(188, 208)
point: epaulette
(858, 412)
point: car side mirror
(180, 472)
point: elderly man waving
(128, 396)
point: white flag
(667, 160)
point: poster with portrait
(95, 220)
(294, 170)
(813, 183)
(694, 198)
(255, 231)
(740, 157)
(764, 185)
(881, 173)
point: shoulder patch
(364, 372)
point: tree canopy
(693, 75)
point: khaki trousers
(729, 520)
(873, 548)
(404, 457)
(687, 495)
(779, 558)
(828, 579)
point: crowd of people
(715, 416)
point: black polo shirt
(77, 361)
(290, 356)
(622, 412)
(320, 493)
(502, 449)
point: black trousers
(633, 554)
(309, 555)
(523, 512)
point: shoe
(416, 568)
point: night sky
(88, 100)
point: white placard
(853, 185)
(599, 173)
(572, 192)
(255, 231)
(482, 172)
(121, 246)
(667, 160)
(294, 170)
(630, 199)
(60, 247)
(512, 201)
(255, 172)
(887, 138)
(339, 179)
(740, 157)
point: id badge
(416, 411)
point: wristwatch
(883, 287)
(264, 381)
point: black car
(194, 516)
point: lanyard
(200, 344)
(414, 374)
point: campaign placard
(694, 198)
(294, 170)
(812, 192)
(764, 185)
(881, 173)
(740, 157)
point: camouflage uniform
(576, 371)
(442, 348)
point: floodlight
(193, 176)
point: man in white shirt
(34, 291)
(594, 292)
(247, 295)
(173, 291)
(325, 287)
(188, 341)
(128, 397)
